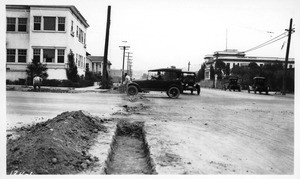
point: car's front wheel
(173, 92)
(132, 90)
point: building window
(76, 61)
(37, 23)
(87, 67)
(22, 24)
(206, 75)
(77, 32)
(84, 36)
(10, 55)
(79, 60)
(49, 23)
(49, 55)
(37, 54)
(61, 24)
(60, 56)
(22, 53)
(290, 66)
(72, 24)
(11, 24)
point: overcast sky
(162, 33)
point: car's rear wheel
(173, 92)
(132, 90)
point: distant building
(233, 57)
(46, 33)
(116, 75)
(95, 64)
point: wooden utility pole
(290, 30)
(123, 48)
(104, 69)
(128, 63)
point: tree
(227, 69)
(220, 68)
(212, 72)
(72, 73)
(201, 72)
(36, 68)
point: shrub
(36, 68)
(72, 72)
(52, 82)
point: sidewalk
(49, 88)
(91, 88)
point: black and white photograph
(150, 88)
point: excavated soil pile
(56, 146)
(130, 152)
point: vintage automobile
(259, 84)
(164, 79)
(189, 82)
(233, 84)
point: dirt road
(219, 132)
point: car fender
(197, 84)
(136, 85)
(178, 86)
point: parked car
(259, 84)
(189, 82)
(164, 79)
(233, 84)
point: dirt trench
(129, 151)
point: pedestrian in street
(37, 81)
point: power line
(268, 42)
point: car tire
(132, 90)
(173, 92)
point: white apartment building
(46, 33)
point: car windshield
(260, 80)
(233, 81)
(188, 75)
(162, 75)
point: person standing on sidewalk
(37, 81)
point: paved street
(218, 132)
(27, 107)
